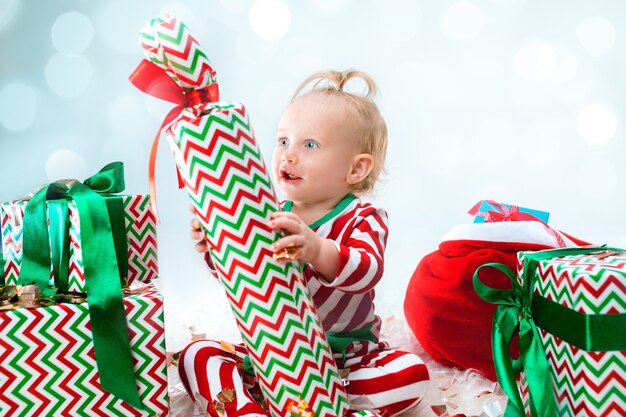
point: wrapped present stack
(568, 307)
(226, 178)
(81, 324)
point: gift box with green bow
(568, 307)
(81, 349)
(56, 219)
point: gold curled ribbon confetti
(8, 294)
(302, 409)
(606, 253)
(226, 396)
(218, 407)
(30, 296)
(290, 252)
(136, 287)
(71, 298)
(195, 335)
(172, 358)
(227, 347)
(23, 296)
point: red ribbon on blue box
(488, 211)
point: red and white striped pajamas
(383, 381)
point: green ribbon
(58, 215)
(520, 311)
(100, 264)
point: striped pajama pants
(380, 383)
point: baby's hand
(197, 234)
(299, 236)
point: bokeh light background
(513, 100)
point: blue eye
(283, 142)
(310, 143)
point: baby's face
(315, 149)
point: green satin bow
(520, 311)
(100, 265)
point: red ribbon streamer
(154, 81)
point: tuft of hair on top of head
(370, 126)
(330, 81)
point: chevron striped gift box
(48, 365)
(140, 231)
(226, 178)
(586, 383)
(568, 307)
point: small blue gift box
(488, 211)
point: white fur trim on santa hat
(518, 232)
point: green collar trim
(345, 202)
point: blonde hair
(370, 125)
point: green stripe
(608, 330)
(245, 213)
(232, 184)
(211, 118)
(341, 206)
(255, 279)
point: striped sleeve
(361, 253)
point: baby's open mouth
(286, 175)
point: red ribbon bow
(154, 81)
(505, 214)
(511, 214)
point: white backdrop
(513, 100)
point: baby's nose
(290, 156)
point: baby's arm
(361, 254)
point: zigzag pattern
(76, 274)
(585, 383)
(49, 368)
(585, 283)
(227, 181)
(168, 43)
(11, 215)
(142, 240)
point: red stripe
(396, 380)
(9, 378)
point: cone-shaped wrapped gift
(222, 169)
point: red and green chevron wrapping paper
(140, 231)
(48, 365)
(585, 383)
(226, 178)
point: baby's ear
(362, 165)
